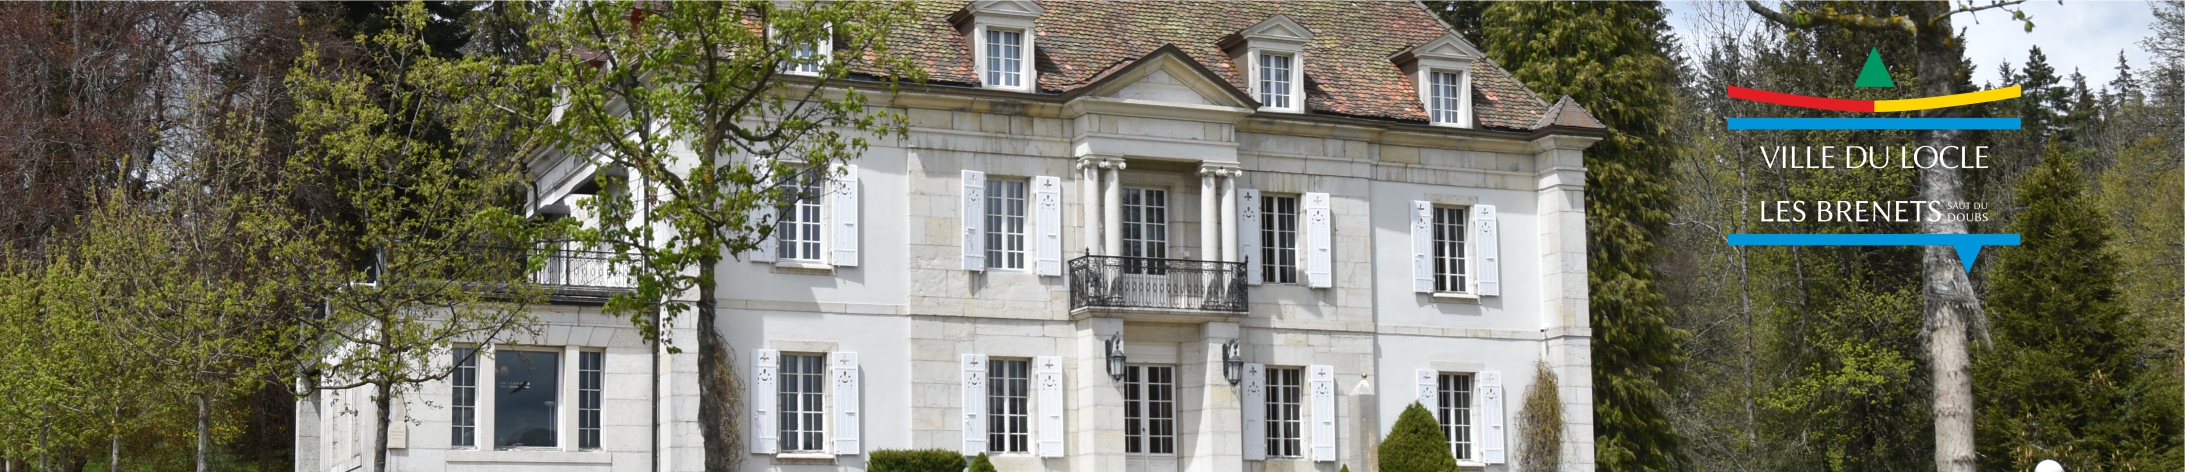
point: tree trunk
(382, 402)
(113, 451)
(715, 421)
(1949, 301)
(204, 432)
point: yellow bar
(1947, 101)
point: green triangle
(1874, 75)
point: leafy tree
(1416, 444)
(691, 99)
(408, 154)
(1615, 59)
(1540, 424)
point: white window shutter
(845, 215)
(763, 364)
(1255, 412)
(1319, 239)
(1050, 405)
(974, 220)
(1490, 408)
(1422, 246)
(1429, 382)
(843, 370)
(1323, 392)
(974, 404)
(1248, 234)
(1047, 195)
(1486, 252)
(765, 251)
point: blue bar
(1968, 245)
(1871, 123)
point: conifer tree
(1416, 444)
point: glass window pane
(526, 387)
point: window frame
(1144, 246)
(1454, 407)
(591, 398)
(561, 384)
(1455, 237)
(812, 195)
(997, 255)
(1285, 443)
(1458, 113)
(460, 435)
(1027, 76)
(824, 49)
(1000, 430)
(1279, 263)
(1293, 80)
(783, 386)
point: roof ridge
(1577, 116)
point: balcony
(569, 276)
(1157, 287)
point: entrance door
(1145, 243)
(1149, 418)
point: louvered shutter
(845, 215)
(974, 194)
(1422, 246)
(844, 372)
(1429, 382)
(1248, 234)
(765, 251)
(1322, 384)
(974, 404)
(1047, 194)
(1486, 251)
(1255, 412)
(763, 365)
(1050, 406)
(1319, 239)
(1490, 408)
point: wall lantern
(1232, 365)
(1115, 356)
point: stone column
(1088, 168)
(1215, 441)
(1209, 223)
(1229, 214)
(1112, 204)
(1095, 422)
(1560, 178)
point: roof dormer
(1271, 56)
(1000, 33)
(1442, 69)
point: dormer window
(1002, 34)
(806, 57)
(1442, 68)
(1271, 55)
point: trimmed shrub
(1416, 444)
(915, 460)
(981, 464)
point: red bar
(1801, 101)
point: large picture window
(1285, 419)
(802, 401)
(1449, 268)
(1005, 224)
(1278, 239)
(1008, 412)
(526, 386)
(1456, 413)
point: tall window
(1456, 413)
(1004, 58)
(1145, 228)
(1278, 239)
(589, 364)
(1008, 417)
(466, 399)
(1285, 423)
(803, 415)
(1448, 249)
(1149, 409)
(1443, 94)
(798, 228)
(1005, 224)
(806, 58)
(526, 385)
(1274, 80)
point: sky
(2082, 34)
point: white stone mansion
(1099, 209)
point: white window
(589, 379)
(1456, 414)
(1004, 58)
(1149, 410)
(1005, 224)
(1275, 81)
(1278, 239)
(526, 385)
(798, 228)
(1008, 402)
(1445, 97)
(801, 398)
(1449, 261)
(806, 58)
(1285, 421)
(465, 412)
(1145, 229)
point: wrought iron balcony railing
(585, 269)
(1173, 284)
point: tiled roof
(1566, 112)
(1347, 66)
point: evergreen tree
(982, 464)
(2061, 380)
(1614, 58)
(1416, 444)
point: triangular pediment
(1448, 47)
(1169, 76)
(1279, 28)
(1005, 7)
